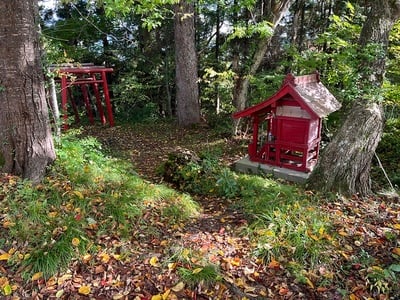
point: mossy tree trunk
(346, 162)
(26, 145)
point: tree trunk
(242, 82)
(187, 92)
(346, 162)
(26, 146)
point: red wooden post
(98, 100)
(107, 98)
(87, 102)
(72, 100)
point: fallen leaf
(153, 261)
(274, 264)
(235, 262)
(396, 226)
(37, 276)
(344, 254)
(117, 256)
(5, 256)
(172, 266)
(118, 296)
(75, 242)
(51, 281)
(240, 282)
(52, 214)
(353, 297)
(313, 236)
(396, 251)
(248, 271)
(165, 295)
(105, 258)
(86, 258)
(7, 290)
(309, 282)
(178, 287)
(197, 270)
(60, 293)
(84, 290)
(78, 194)
(8, 224)
(99, 269)
(3, 281)
(283, 291)
(63, 278)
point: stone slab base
(245, 165)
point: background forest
(138, 42)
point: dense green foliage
(137, 41)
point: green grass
(207, 275)
(193, 266)
(284, 221)
(286, 224)
(85, 195)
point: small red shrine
(287, 126)
(92, 80)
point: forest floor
(142, 267)
(215, 234)
(218, 233)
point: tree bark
(187, 92)
(26, 145)
(346, 162)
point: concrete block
(245, 165)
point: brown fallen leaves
(145, 266)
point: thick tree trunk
(26, 145)
(187, 92)
(346, 162)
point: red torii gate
(84, 75)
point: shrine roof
(307, 88)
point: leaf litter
(149, 265)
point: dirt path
(148, 146)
